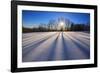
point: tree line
(53, 26)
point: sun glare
(62, 24)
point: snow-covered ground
(50, 46)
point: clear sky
(34, 18)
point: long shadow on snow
(27, 50)
(88, 45)
(53, 49)
(83, 36)
(82, 48)
(65, 50)
(65, 53)
(51, 52)
(38, 40)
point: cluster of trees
(80, 27)
(53, 26)
(24, 29)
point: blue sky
(34, 18)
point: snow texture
(51, 46)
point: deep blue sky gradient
(34, 18)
